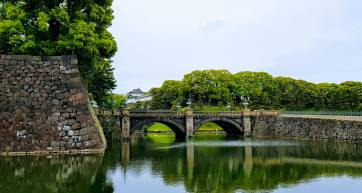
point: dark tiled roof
(136, 91)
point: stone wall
(44, 107)
(310, 128)
(111, 128)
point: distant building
(137, 95)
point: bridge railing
(218, 113)
(106, 112)
(156, 111)
(140, 113)
(238, 113)
(333, 113)
(265, 112)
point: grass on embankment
(160, 128)
(169, 138)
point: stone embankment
(44, 107)
(334, 128)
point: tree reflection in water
(202, 165)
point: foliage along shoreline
(214, 89)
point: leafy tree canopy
(114, 101)
(61, 27)
(211, 88)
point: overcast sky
(314, 40)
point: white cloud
(317, 40)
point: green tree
(297, 94)
(332, 95)
(61, 27)
(259, 86)
(208, 86)
(114, 101)
(156, 102)
(167, 95)
(355, 89)
(213, 89)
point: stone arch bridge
(183, 124)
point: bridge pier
(189, 123)
(126, 124)
(247, 122)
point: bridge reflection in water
(252, 165)
(209, 163)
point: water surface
(209, 163)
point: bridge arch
(230, 127)
(177, 128)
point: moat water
(209, 163)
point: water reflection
(207, 164)
(51, 174)
(257, 165)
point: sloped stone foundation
(44, 107)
